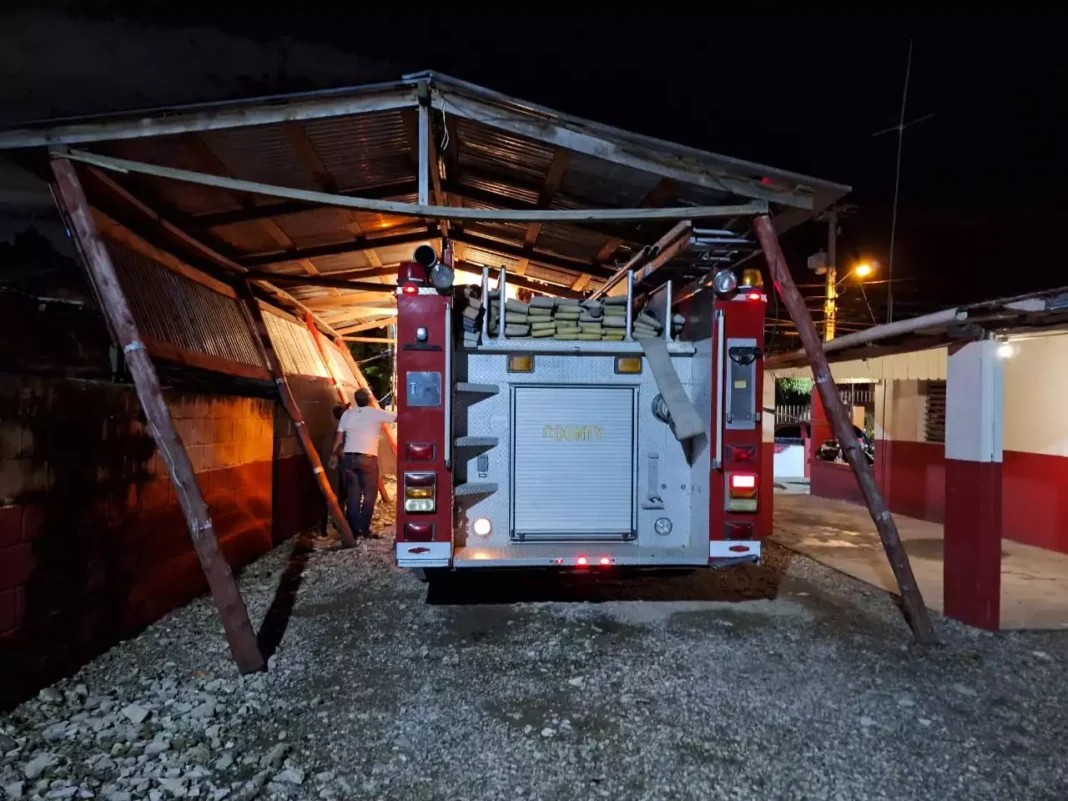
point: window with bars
(934, 424)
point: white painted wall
(900, 407)
(1036, 396)
(974, 403)
(922, 364)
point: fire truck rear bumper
(593, 555)
(424, 554)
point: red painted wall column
(974, 423)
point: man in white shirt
(356, 445)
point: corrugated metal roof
(363, 151)
(488, 149)
(183, 312)
(343, 140)
(295, 346)
(264, 153)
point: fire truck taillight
(410, 289)
(741, 492)
(420, 492)
(419, 451)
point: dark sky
(981, 179)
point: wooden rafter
(101, 271)
(286, 208)
(309, 156)
(555, 174)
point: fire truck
(580, 455)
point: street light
(830, 305)
(862, 270)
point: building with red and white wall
(971, 435)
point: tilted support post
(843, 431)
(115, 307)
(291, 407)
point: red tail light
(743, 481)
(582, 561)
(741, 492)
(410, 289)
(419, 532)
(419, 451)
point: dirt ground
(784, 681)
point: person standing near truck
(333, 472)
(356, 446)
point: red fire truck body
(565, 454)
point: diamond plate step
(477, 442)
(478, 389)
(487, 488)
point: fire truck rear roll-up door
(573, 462)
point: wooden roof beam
(553, 177)
(633, 155)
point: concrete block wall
(93, 544)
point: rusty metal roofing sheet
(170, 151)
(567, 240)
(342, 261)
(488, 149)
(183, 312)
(363, 151)
(606, 183)
(295, 346)
(263, 153)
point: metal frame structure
(326, 193)
(351, 180)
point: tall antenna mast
(900, 128)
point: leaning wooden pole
(843, 431)
(325, 356)
(291, 407)
(101, 271)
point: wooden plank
(553, 177)
(112, 229)
(911, 596)
(358, 245)
(287, 208)
(291, 407)
(634, 156)
(380, 322)
(420, 210)
(211, 118)
(162, 349)
(101, 272)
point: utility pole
(830, 303)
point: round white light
(662, 526)
(482, 527)
(1005, 350)
(724, 281)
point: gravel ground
(785, 681)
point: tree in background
(793, 391)
(376, 364)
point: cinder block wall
(93, 544)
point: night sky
(981, 178)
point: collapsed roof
(425, 140)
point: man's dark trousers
(359, 472)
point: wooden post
(321, 345)
(290, 404)
(843, 431)
(101, 271)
